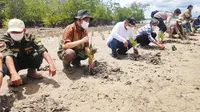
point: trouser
(118, 47)
(161, 25)
(187, 26)
(32, 61)
(70, 55)
(196, 26)
(143, 38)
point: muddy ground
(156, 81)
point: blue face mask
(175, 17)
(153, 28)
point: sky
(165, 5)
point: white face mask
(129, 28)
(85, 25)
(17, 37)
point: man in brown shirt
(74, 43)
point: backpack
(153, 13)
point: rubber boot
(161, 35)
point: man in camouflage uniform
(74, 43)
(22, 51)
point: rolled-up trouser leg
(143, 39)
(122, 49)
(32, 61)
(187, 26)
(113, 45)
(68, 55)
(161, 25)
(196, 27)
(161, 35)
(162, 29)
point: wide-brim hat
(83, 14)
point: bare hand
(16, 79)
(125, 43)
(85, 40)
(52, 70)
(162, 46)
(1, 79)
(160, 42)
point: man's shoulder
(120, 23)
(70, 26)
(29, 37)
(5, 37)
(168, 13)
(159, 12)
(186, 11)
(3, 40)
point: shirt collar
(78, 28)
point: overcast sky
(165, 5)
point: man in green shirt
(74, 45)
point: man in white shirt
(145, 34)
(118, 40)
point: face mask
(17, 37)
(129, 28)
(85, 25)
(175, 17)
(153, 28)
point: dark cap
(178, 11)
(131, 20)
(189, 6)
(199, 16)
(82, 14)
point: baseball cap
(131, 20)
(16, 25)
